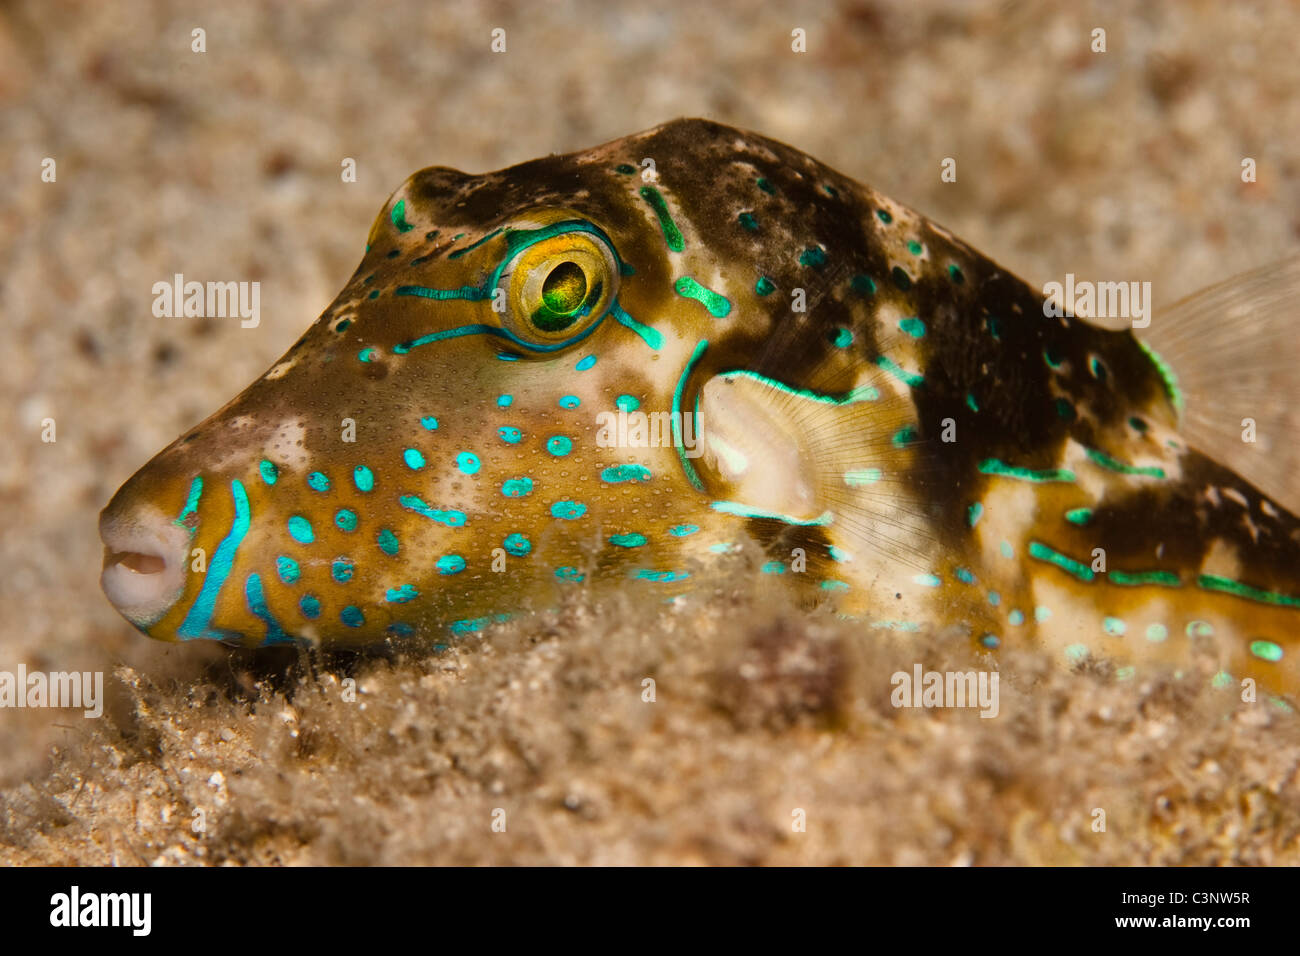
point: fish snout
(145, 555)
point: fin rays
(1235, 351)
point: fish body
(586, 370)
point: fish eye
(563, 291)
(557, 286)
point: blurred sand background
(226, 165)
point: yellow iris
(558, 287)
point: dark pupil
(563, 293)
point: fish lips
(145, 555)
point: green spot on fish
(517, 487)
(813, 257)
(568, 510)
(1111, 464)
(401, 595)
(863, 285)
(517, 545)
(1266, 651)
(300, 530)
(719, 306)
(1213, 582)
(288, 569)
(911, 379)
(450, 564)
(992, 466)
(672, 235)
(1042, 552)
(913, 326)
(617, 474)
(398, 216)
(864, 476)
(1136, 578)
(665, 577)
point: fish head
(497, 405)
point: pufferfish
(610, 369)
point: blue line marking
(651, 337)
(451, 518)
(200, 614)
(401, 348)
(473, 293)
(745, 511)
(192, 501)
(676, 417)
(257, 604)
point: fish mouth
(136, 561)
(144, 564)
